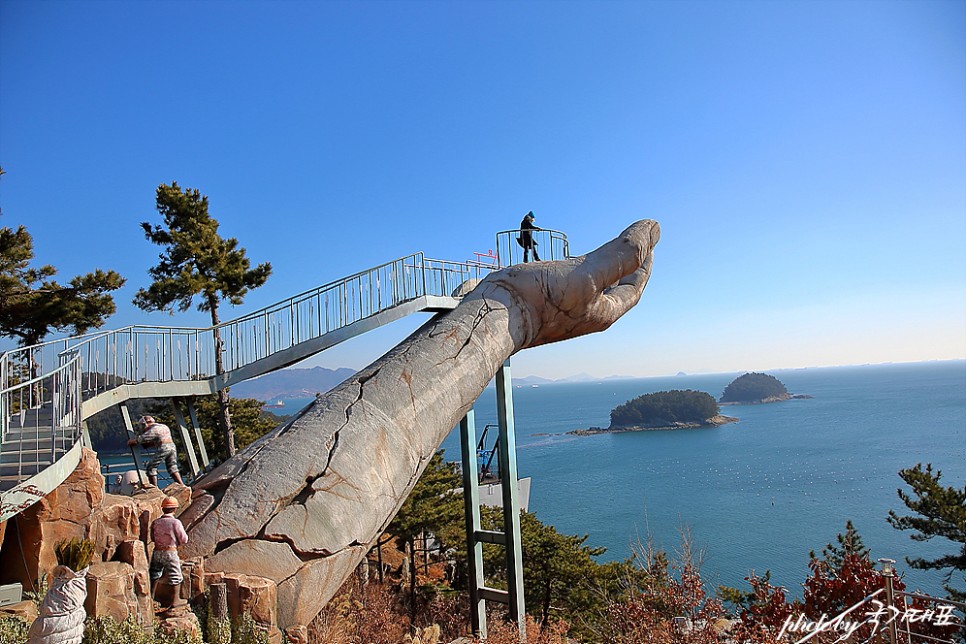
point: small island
(675, 409)
(756, 389)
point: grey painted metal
(80, 376)
(185, 437)
(471, 506)
(36, 487)
(511, 502)
(491, 536)
(129, 426)
(297, 353)
(495, 595)
(202, 450)
(85, 435)
(551, 245)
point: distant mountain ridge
(302, 383)
(291, 383)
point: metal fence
(550, 245)
(102, 361)
(914, 618)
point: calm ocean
(758, 494)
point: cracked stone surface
(304, 504)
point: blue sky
(806, 160)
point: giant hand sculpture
(306, 502)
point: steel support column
(185, 437)
(136, 453)
(193, 416)
(509, 537)
(511, 498)
(471, 503)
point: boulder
(179, 619)
(115, 521)
(327, 483)
(182, 493)
(255, 597)
(132, 552)
(63, 514)
(297, 635)
(110, 592)
(194, 577)
(268, 559)
(25, 611)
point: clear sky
(806, 160)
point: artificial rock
(315, 493)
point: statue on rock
(303, 505)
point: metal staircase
(48, 390)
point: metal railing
(550, 245)
(46, 383)
(41, 408)
(914, 618)
(59, 374)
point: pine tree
(941, 513)
(434, 506)
(850, 543)
(197, 261)
(32, 304)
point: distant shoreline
(770, 399)
(714, 421)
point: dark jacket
(526, 237)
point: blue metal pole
(471, 504)
(511, 500)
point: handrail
(58, 375)
(550, 245)
(148, 353)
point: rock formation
(303, 505)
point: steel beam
(511, 498)
(471, 503)
(202, 450)
(136, 453)
(185, 438)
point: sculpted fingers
(622, 256)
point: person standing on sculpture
(167, 533)
(159, 434)
(526, 237)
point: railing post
(889, 573)
(5, 397)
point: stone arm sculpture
(304, 504)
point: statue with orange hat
(167, 533)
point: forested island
(756, 388)
(675, 409)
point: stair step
(19, 435)
(30, 443)
(32, 455)
(25, 472)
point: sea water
(755, 495)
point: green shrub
(245, 631)
(104, 630)
(13, 630)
